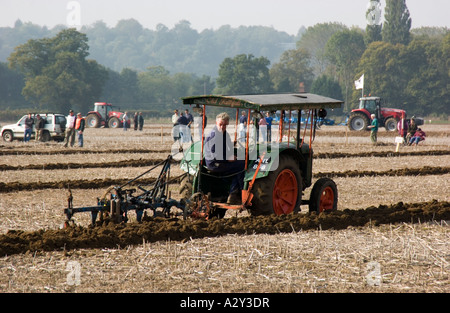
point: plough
(118, 201)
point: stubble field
(390, 233)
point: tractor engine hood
(388, 110)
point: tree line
(175, 62)
(178, 49)
(408, 68)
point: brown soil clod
(111, 235)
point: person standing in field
(242, 127)
(29, 121)
(79, 126)
(183, 129)
(140, 121)
(70, 129)
(175, 116)
(175, 127)
(190, 119)
(263, 128)
(125, 121)
(40, 124)
(374, 129)
(136, 120)
(269, 120)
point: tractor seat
(207, 171)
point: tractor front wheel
(391, 124)
(8, 136)
(324, 196)
(92, 121)
(280, 192)
(113, 122)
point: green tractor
(276, 173)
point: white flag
(359, 84)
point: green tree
(314, 41)
(344, 50)
(57, 74)
(182, 84)
(430, 32)
(122, 88)
(446, 54)
(179, 49)
(428, 77)
(11, 85)
(383, 69)
(294, 68)
(202, 86)
(155, 87)
(397, 23)
(244, 74)
(328, 87)
(373, 33)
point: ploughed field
(392, 220)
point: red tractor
(103, 115)
(360, 118)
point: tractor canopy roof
(102, 103)
(267, 102)
(370, 98)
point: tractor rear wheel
(92, 121)
(358, 122)
(280, 192)
(324, 196)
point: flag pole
(362, 89)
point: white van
(55, 126)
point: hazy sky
(283, 15)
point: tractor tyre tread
(262, 202)
(318, 188)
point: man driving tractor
(220, 158)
